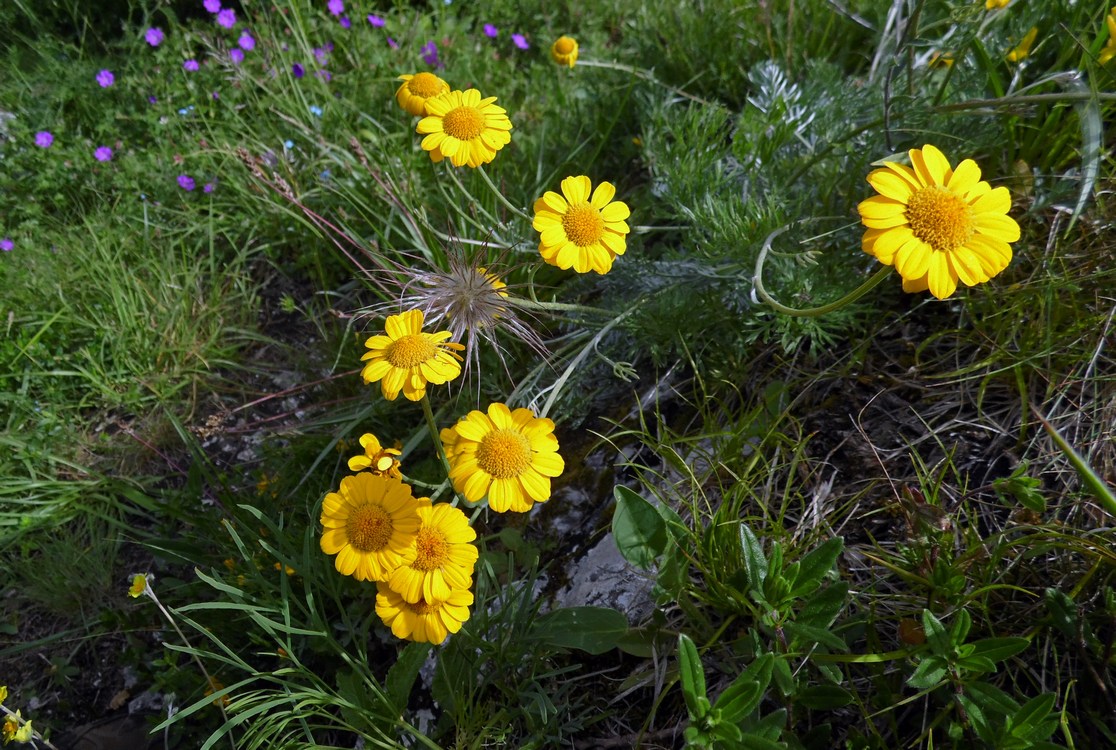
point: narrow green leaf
(962, 623)
(752, 741)
(594, 630)
(936, 634)
(1032, 722)
(928, 673)
(1063, 612)
(692, 675)
(998, 649)
(728, 732)
(822, 607)
(638, 528)
(403, 673)
(817, 563)
(804, 636)
(1095, 484)
(991, 698)
(824, 697)
(739, 699)
(755, 564)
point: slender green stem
(537, 305)
(436, 437)
(811, 312)
(640, 73)
(500, 196)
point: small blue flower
(326, 174)
(315, 110)
(288, 145)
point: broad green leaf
(781, 672)
(594, 630)
(962, 623)
(816, 564)
(403, 673)
(637, 642)
(1033, 721)
(936, 634)
(754, 561)
(977, 720)
(727, 731)
(760, 670)
(770, 726)
(991, 698)
(824, 697)
(692, 675)
(998, 649)
(639, 530)
(751, 741)
(822, 607)
(928, 673)
(739, 699)
(804, 636)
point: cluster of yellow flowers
(1109, 50)
(583, 229)
(15, 728)
(421, 554)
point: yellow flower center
(504, 453)
(463, 123)
(369, 528)
(564, 45)
(425, 85)
(583, 224)
(433, 549)
(421, 607)
(410, 351)
(940, 218)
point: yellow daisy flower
(404, 358)
(1024, 48)
(139, 585)
(564, 51)
(422, 621)
(936, 224)
(464, 128)
(444, 558)
(416, 89)
(508, 455)
(370, 524)
(11, 731)
(376, 458)
(578, 231)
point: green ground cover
(855, 457)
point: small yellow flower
(464, 128)
(581, 231)
(416, 89)
(444, 559)
(404, 358)
(422, 621)
(3, 694)
(370, 524)
(564, 51)
(936, 224)
(12, 731)
(510, 456)
(1109, 49)
(216, 685)
(1024, 48)
(376, 458)
(995, 4)
(285, 568)
(264, 486)
(941, 60)
(139, 585)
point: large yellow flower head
(404, 358)
(422, 621)
(578, 231)
(376, 458)
(564, 51)
(370, 524)
(415, 90)
(937, 225)
(1109, 49)
(464, 128)
(508, 455)
(444, 559)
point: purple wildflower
(227, 18)
(346, 23)
(210, 187)
(298, 70)
(102, 153)
(430, 54)
(216, 95)
(336, 7)
(154, 36)
(44, 139)
(6, 244)
(190, 65)
(105, 78)
(213, 6)
(237, 55)
(186, 182)
(324, 75)
(520, 41)
(320, 55)
(152, 100)
(246, 41)
(490, 31)
(392, 43)
(376, 21)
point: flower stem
(811, 312)
(432, 428)
(640, 73)
(500, 196)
